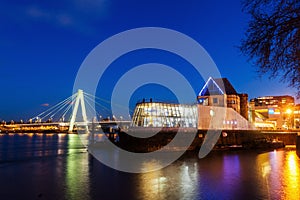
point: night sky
(43, 44)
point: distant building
(297, 116)
(219, 92)
(161, 114)
(219, 107)
(218, 97)
(277, 111)
(276, 101)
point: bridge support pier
(79, 99)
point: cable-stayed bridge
(79, 110)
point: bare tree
(272, 40)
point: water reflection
(280, 174)
(153, 185)
(292, 177)
(267, 166)
(58, 167)
(231, 171)
(189, 180)
(77, 177)
(222, 175)
(77, 171)
(178, 181)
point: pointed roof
(217, 86)
(228, 87)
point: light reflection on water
(280, 174)
(292, 181)
(170, 183)
(51, 166)
(77, 179)
(77, 170)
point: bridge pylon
(79, 99)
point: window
(215, 100)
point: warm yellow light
(289, 111)
(292, 176)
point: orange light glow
(292, 176)
(288, 111)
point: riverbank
(228, 139)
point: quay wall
(227, 138)
(238, 137)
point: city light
(289, 111)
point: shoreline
(235, 140)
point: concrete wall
(210, 117)
(238, 137)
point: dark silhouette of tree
(272, 39)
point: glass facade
(157, 114)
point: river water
(56, 166)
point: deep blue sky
(43, 44)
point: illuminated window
(165, 115)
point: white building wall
(211, 117)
